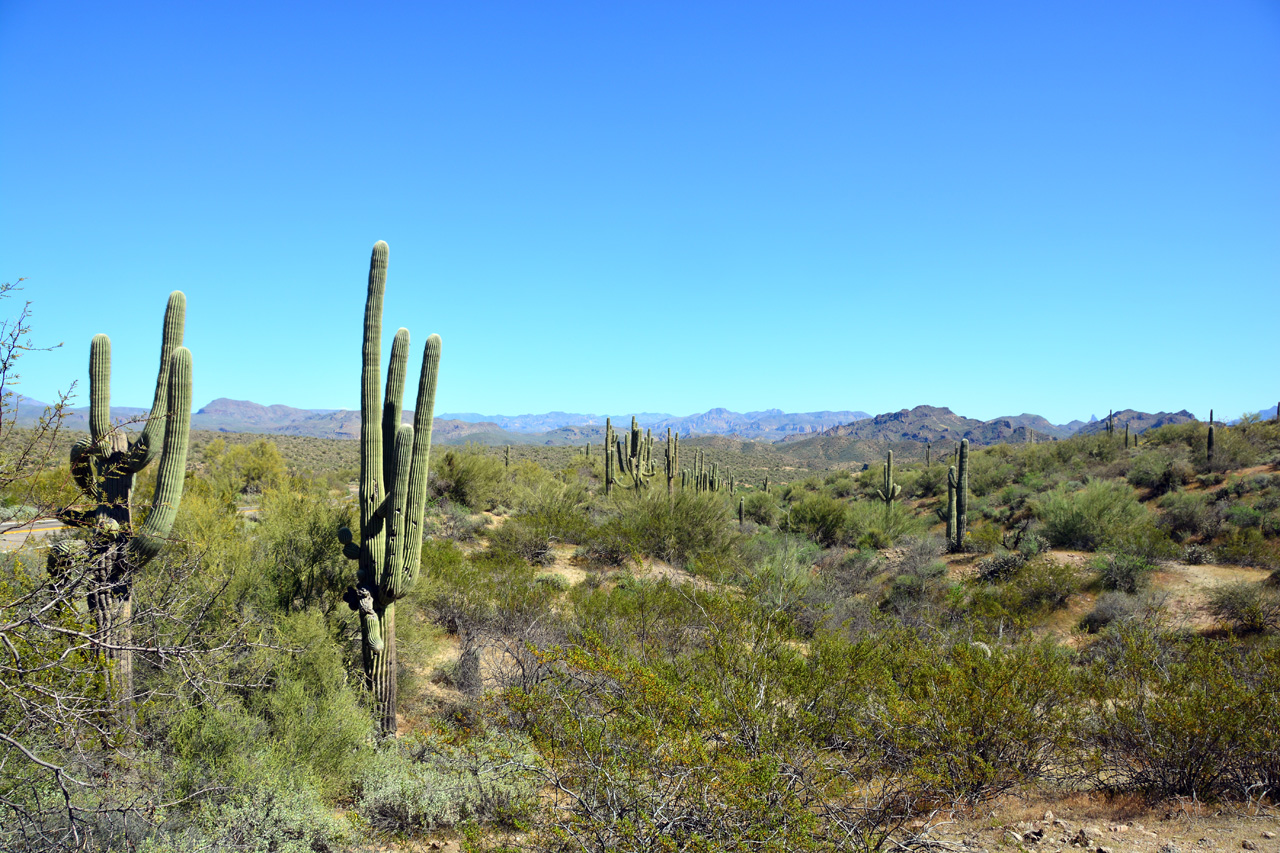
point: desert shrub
(1184, 720)
(1110, 608)
(761, 508)
(1160, 470)
(1196, 555)
(1144, 539)
(1122, 572)
(1044, 583)
(841, 484)
(550, 579)
(455, 521)
(932, 481)
(1189, 515)
(297, 564)
(470, 477)
(256, 819)
(920, 575)
(1088, 517)
(983, 538)
(606, 545)
(527, 541)
(1243, 515)
(1247, 607)
(988, 473)
(677, 530)
(870, 524)
(557, 510)
(820, 517)
(1000, 566)
(431, 781)
(971, 720)
(1248, 547)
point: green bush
(1186, 515)
(1122, 572)
(1161, 470)
(971, 720)
(761, 508)
(1086, 518)
(430, 781)
(678, 530)
(558, 510)
(1191, 719)
(470, 477)
(1247, 607)
(1110, 608)
(524, 540)
(821, 517)
(1248, 547)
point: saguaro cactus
(950, 517)
(672, 458)
(104, 466)
(889, 490)
(962, 495)
(1209, 446)
(393, 492)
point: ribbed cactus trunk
(394, 458)
(672, 459)
(105, 467)
(889, 490)
(962, 495)
(951, 508)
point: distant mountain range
(921, 424)
(1138, 421)
(767, 425)
(934, 423)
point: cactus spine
(104, 467)
(889, 490)
(393, 488)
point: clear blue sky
(1054, 207)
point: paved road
(15, 535)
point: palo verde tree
(393, 492)
(105, 466)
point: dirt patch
(1095, 823)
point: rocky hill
(1138, 422)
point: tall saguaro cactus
(393, 492)
(962, 496)
(105, 466)
(889, 490)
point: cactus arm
(393, 406)
(100, 392)
(173, 462)
(391, 578)
(423, 418)
(147, 445)
(82, 469)
(350, 549)
(372, 494)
